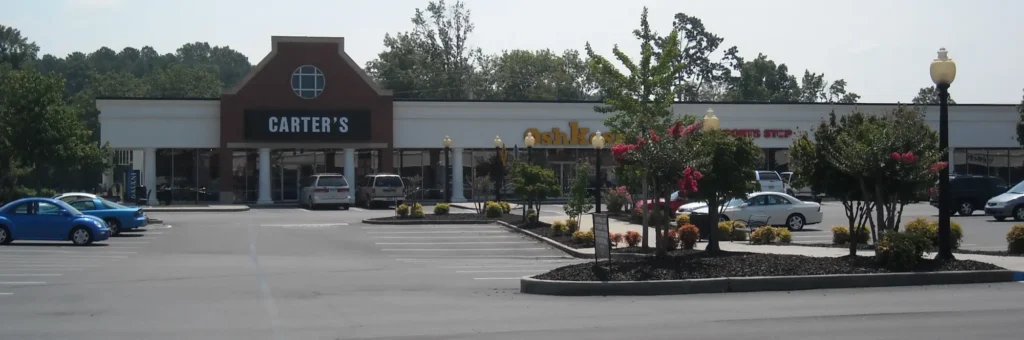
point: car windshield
(112, 204)
(388, 182)
(1017, 189)
(735, 202)
(768, 176)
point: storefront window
(999, 167)
(1016, 166)
(245, 173)
(186, 176)
(978, 162)
(959, 161)
(780, 160)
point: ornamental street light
(710, 121)
(529, 141)
(499, 171)
(447, 142)
(943, 72)
(598, 143)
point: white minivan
(770, 181)
(325, 190)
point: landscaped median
(695, 272)
(414, 214)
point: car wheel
(722, 218)
(1018, 213)
(344, 206)
(1000, 218)
(115, 227)
(795, 222)
(81, 236)
(309, 204)
(965, 208)
(5, 235)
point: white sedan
(781, 209)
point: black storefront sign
(311, 126)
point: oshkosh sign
(575, 135)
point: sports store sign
(319, 126)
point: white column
(457, 189)
(264, 187)
(149, 173)
(350, 168)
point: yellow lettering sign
(578, 136)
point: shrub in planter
(738, 235)
(763, 235)
(783, 235)
(901, 251)
(682, 219)
(616, 198)
(417, 211)
(919, 225)
(573, 225)
(493, 210)
(402, 210)
(673, 240)
(632, 238)
(531, 216)
(1015, 240)
(724, 230)
(559, 228)
(442, 209)
(841, 235)
(615, 239)
(583, 238)
(505, 207)
(956, 233)
(688, 235)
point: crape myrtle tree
(892, 157)
(534, 183)
(640, 101)
(810, 160)
(727, 163)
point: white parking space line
(6, 294)
(438, 232)
(444, 243)
(496, 278)
(522, 266)
(438, 258)
(18, 283)
(29, 275)
(4, 265)
(303, 225)
(5, 261)
(434, 227)
(20, 270)
(446, 237)
(357, 209)
(485, 249)
(15, 251)
(132, 242)
(503, 271)
(55, 258)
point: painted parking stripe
(522, 266)
(438, 232)
(21, 270)
(445, 243)
(437, 258)
(132, 242)
(434, 227)
(496, 278)
(6, 294)
(446, 237)
(9, 251)
(303, 225)
(30, 275)
(502, 271)
(481, 249)
(67, 261)
(18, 283)
(5, 266)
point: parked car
(376, 189)
(47, 219)
(325, 190)
(781, 209)
(117, 217)
(1008, 204)
(788, 178)
(770, 181)
(968, 193)
(690, 207)
(675, 201)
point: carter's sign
(313, 126)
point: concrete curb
(426, 222)
(564, 248)
(531, 285)
(196, 209)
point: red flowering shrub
(632, 238)
(615, 239)
(937, 167)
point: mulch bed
(872, 247)
(544, 229)
(701, 265)
(510, 218)
(986, 252)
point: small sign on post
(602, 244)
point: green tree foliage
(580, 200)
(762, 80)
(15, 49)
(727, 163)
(1020, 125)
(534, 183)
(929, 96)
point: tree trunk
(659, 242)
(713, 221)
(646, 216)
(666, 209)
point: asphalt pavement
(294, 274)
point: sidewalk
(196, 208)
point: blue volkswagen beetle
(47, 219)
(118, 217)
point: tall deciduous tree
(929, 96)
(701, 73)
(727, 163)
(536, 75)
(15, 49)
(762, 80)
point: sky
(882, 48)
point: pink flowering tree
(665, 159)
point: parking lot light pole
(943, 72)
(498, 173)
(529, 141)
(598, 143)
(447, 170)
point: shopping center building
(308, 108)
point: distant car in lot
(770, 181)
(47, 219)
(968, 193)
(117, 217)
(675, 201)
(788, 178)
(781, 209)
(1007, 204)
(380, 189)
(326, 190)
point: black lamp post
(598, 143)
(447, 170)
(943, 71)
(529, 141)
(499, 172)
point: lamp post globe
(447, 142)
(710, 121)
(529, 140)
(943, 72)
(497, 142)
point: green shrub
(738, 234)
(918, 225)
(559, 228)
(901, 251)
(402, 210)
(583, 238)
(1015, 240)
(573, 225)
(505, 207)
(493, 210)
(724, 230)
(616, 198)
(531, 216)
(783, 235)
(929, 229)
(763, 235)
(841, 235)
(442, 209)
(688, 235)
(682, 219)
(417, 211)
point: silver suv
(381, 189)
(325, 190)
